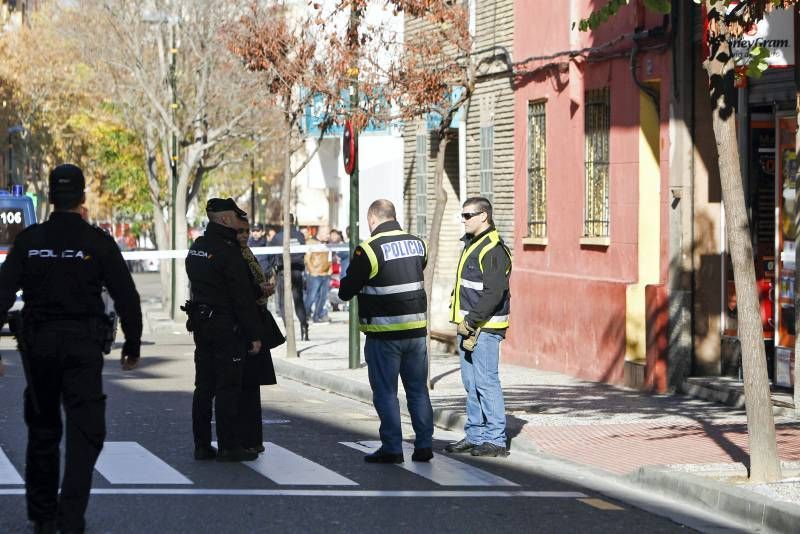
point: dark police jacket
(481, 295)
(61, 266)
(387, 274)
(295, 238)
(220, 278)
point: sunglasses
(468, 215)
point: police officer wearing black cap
(61, 266)
(224, 318)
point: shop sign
(774, 32)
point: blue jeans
(317, 295)
(486, 412)
(408, 358)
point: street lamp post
(173, 52)
(354, 337)
(171, 21)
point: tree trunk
(288, 302)
(162, 236)
(764, 463)
(436, 228)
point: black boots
(304, 332)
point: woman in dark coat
(258, 368)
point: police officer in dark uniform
(224, 318)
(386, 272)
(297, 266)
(61, 266)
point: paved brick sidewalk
(624, 448)
(612, 429)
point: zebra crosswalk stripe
(127, 462)
(442, 470)
(284, 467)
(8, 475)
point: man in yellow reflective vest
(386, 272)
(480, 306)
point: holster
(104, 330)
(196, 313)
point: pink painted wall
(568, 300)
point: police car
(16, 213)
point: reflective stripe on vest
(497, 321)
(395, 323)
(457, 314)
(390, 290)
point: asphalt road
(311, 479)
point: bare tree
(302, 65)
(169, 70)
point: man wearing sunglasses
(480, 306)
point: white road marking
(284, 467)
(324, 493)
(442, 470)
(8, 475)
(127, 462)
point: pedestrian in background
(224, 319)
(387, 275)
(480, 306)
(318, 281)
(258, 238)
(61, 266)
(337, 273)
(297, 267)
(258, 368)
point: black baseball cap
(66, 183)
(258, 227)
(225, 204)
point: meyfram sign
(775, 32)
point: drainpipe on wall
(681, 211)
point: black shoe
(489, 449)
(45, 527)
(205, 453)
(304, 332)
(422, 455)
(380, 457)
(236, 455)
(460, 446)
(258, 449)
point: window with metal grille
(421, 179)
(596, 133)
(537, 170)
(487, 162)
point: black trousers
(297, 296)
(218, 360)
(250, 428)
(66, 365)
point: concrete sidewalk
(674, 445)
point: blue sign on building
(316, 113)
(434, 119)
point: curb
(728, 397)
(752, 510)
(756, 512)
